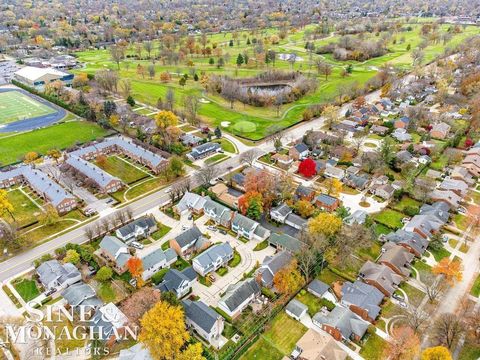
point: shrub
(105, 273)
(411, 210)
(268, 293)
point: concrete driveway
(353, 202)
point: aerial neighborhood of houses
(349, 233)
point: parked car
(190, 217)
(223, 232)
(398, 297)
(406, 219)
(136, 245)
(462, 210)
(212, 228)
(211, 277)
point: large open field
(249, 121)
(25, 210)
(15, 106)
(13, 148)
(122, 169)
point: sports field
(15, 106)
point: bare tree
(432, 284)
(148, 46)
(192, 105)
(129, 213)
(206, 174)
(249, 157)
(117, 53)
(90, 233)
(417, 319)
(125, 87)
(275, 136)
(448, 329)
(170, 98)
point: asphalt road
(23, 261)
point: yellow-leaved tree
(288, 279)
(325, 224)
(436, 353)
(164, 333)
(165, 119)
(6, 206)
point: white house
(238, 297)
(204, 320)
(213, 258)
(156, 260)
(55, 275)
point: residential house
(178, 282)
(189, 242)
(439, 210)
(357, 181)
(379, 130)
(404, 156)
(55, 275)
(433, 174)
(352, 170)
(318, 288)
(137, 229)
(342, 324)
(424, 225)
(204, 320)
(362, 299)
(280, 213)
(238, 181)
(126, 146)
(155, 260)
(401, 135)
(296, 309)
(213, 258)
(270, 266)
(460, 173)
(282, 160)
(248, 228)
(190, 202)
(411, 241)
(334, 172)
(440, 130)
(295, 221)
(304, 193)
(105, 182)
(317, 346)
(42, 185)
(285, 242)
(220, 214)
(327, 202)
(472, 164)
(204, 150)
(357, 217)
(238, 296)
(114, 252)
(380, 276)
(384, 191)
(447, 196)
(299, 151)
(108, 322)
(397, 258)
(190, 139)
(459, 187)
(81, 294)
(401, 123)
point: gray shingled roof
(286, 241)
(243, 222)
(191, 201)
(344, 320)
(381, 274)
(412, 239)
(364, 296)
(200, 150)
(81, 294)
(90, 170)
(282, 209)
(174, 278)
(296, 307)
(210, 255)
(202, 315)
(153, 258)
(238, 293)
(318, 287)
(54, 270)
(188, 237)
(145, 222)
(40, 182)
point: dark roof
(296, 307)
(412, 239)
(326, 199)
(238, 293)
(145, 222)
(301, 147)
(318, 287)
(174, 278)
(303, 191)
(364, 296)
(202, 315)
(189, 236)
(239, 178)
(286, 241)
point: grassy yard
(421, 266)
(374, 348)
(406, 202)
(475, 290)
(461, 221)
(235, 260)
(216, 158)
(263, 350)
(122, 169)
(60, 136)
(329, 277)
(284, 332)
(372, 252)
(105, 292)
(227, 145)
(415, 296)
(27, 289)
(161, 231)
(25, 211)
(62, 344)
(389, 218)
(314, 304)
(470, 351)
(440, 254)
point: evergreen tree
(239, 60)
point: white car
(136, 245)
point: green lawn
(27, 289)
(470, 351)
(461, 221)
(406, 202)
(372, 252)
(284, 332)
(25, 211)
(235, 260)
(389, 218)
(60, 328)
(161, 231)
(475, 291)
(314, 303)
(105, 292)
(415, 296)
(262, 350)
(13, 148)
(15, 105)
(227, 145)
(373, 349)
(421, 266)
(329, 277)
(216, 158)
(122, 169)
(440, 254)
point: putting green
(245, 126)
